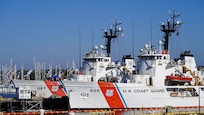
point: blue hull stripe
(121, 95)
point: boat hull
(121, 95)
(179, 78)
(107, 95)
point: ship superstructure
(97, 64)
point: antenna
(169, 28)
(133, 42)
(79, 47)
(150, 32)
(113, 33)
(92, 35)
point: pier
(9, 106)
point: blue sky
(49, 29)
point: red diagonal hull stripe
(54, 88)
(111, 95)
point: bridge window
(106, 60)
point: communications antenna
(171, 26)
(112, 32)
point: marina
(154, 83)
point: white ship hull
(104, 95)
(120, 95)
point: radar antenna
(112, 33)
(170, 27)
